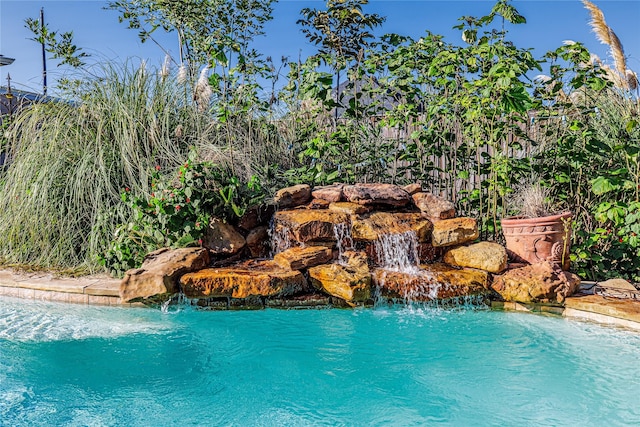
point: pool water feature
(398, 252)
(92, 366)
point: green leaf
(157, 234)
(602, 185)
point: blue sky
(99, 33)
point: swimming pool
(95, 366)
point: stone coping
(621, 312)
(611, 311)
(97, 289)
(103, 290)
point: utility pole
(44, 55)
(9, 97)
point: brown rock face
(540, 282)
(412, 188)
(456, 231)
(486, 256)
(292, 196)
(376, 194)
(249, 279)
(434, 206)
(222, 238)
(299, 258)
(370, 227)
(427, 253)
(159, 274)
(307, 225)
(348, 208)
(258, 242)
(317, 204)
(330, 193)
(256, 216)
(431, 282)
(350, 282)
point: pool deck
(104, 290)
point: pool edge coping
(90, 290)
(103, 290)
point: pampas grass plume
(202, 92)
(166, 65)
(605, 34)
(182, 74)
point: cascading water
(396, 254)
(344, 240)
(280, 238)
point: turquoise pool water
(98, 366)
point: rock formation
(342, 245)
(157, 278)
(541, 282)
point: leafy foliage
(468, 121)
(60, 45)
(177, 212)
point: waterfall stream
(344, 240)
(398, 259)
(280, 239)
(398, 252)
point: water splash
(43, 321)
(164, 307)
(178, 303)
(397, 255)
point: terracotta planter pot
(539, 239)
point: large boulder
(454, 232)
(540, 282)
(431, 282)
(249, 279)
(433, 206)
(330, 193)
(303, 225)
(222, 238)
(376, 194)
(292, 196)
(298, 258)
(350, 281)
(371, 227)
(488, 256)
(157, 278)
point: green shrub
(178, 211)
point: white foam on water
(36, 321)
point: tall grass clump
(60, 199)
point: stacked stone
(231, 270)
